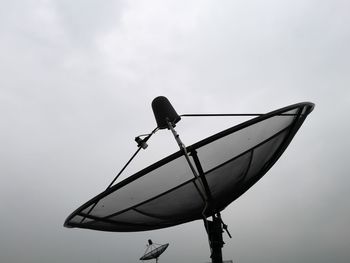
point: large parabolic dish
(167, 194)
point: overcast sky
(76, 82)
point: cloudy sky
(77, 80)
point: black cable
(232, 114)
(122, 170)
(219, 114)
(124, 167)
(132, 157)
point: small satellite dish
(198, 181)
(154, 250)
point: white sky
(77, 80)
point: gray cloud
(76, 84)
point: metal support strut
(183, 148)
(214, 228)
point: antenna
(154, 251)
(195, 183)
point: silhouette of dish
(155, 253)
(166, 193)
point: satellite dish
(198, 181)
(154, 250)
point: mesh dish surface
(155, 253)
(167, 194)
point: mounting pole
(167, 118)
(215, 237)
(214, 228)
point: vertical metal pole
(216, 241)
